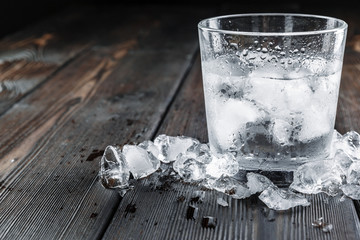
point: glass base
(287, 165)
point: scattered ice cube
(351, 190)
(318, 176)
(229, 185)
(170, 147)
(349, 143)
(197, 196)
(189, 169)
(114, 173)
(222, 202)
(328, 227)
(199, 151)
(257, 182)
(353, 173)
(192, 161)
(150, 147)
(280, 199)
(224, 164)
(318, 222)
(208, 222)
(343, 161)
(139, 161)
(324, 226)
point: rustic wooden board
(30, 57)
(51, 140)
(160, 215)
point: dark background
(17, 14)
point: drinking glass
(271, 84)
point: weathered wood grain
(160, 215)
(52, 139)
(32, 56)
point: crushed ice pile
(193, 163)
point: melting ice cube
(197, 197)
(223, 164)
(280, 199)
(343, 161)
(194, 162)
(230, 186)
(318, 176)
(170, 147)
(150, 147)
(350, 143)
(229, 118)
(189, 168)
(222, 202)
(114, 173)
(257, 182)
(353, 173)
(351, 190)
(199, 151)
(139, 161)
(324, 226)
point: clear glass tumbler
(271, 84)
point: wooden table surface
(90, 77)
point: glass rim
(343, 25)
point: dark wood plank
(160, 215)
(105, 96)
(348, 112)
(31, 56)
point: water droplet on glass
(264, 50)
(302, 50)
